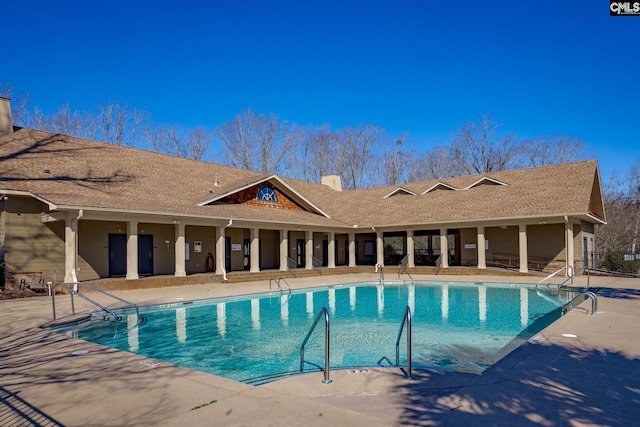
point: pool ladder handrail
(406, 319)
(73, 290)
(323, 312)
(278, 286)
(586, 294)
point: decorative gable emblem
(266, 194)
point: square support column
(308, 250)
(444, 249)
(220, 250)
(482, 257)
(180, 269)
(71, 247)
(569, 246)
(284, 249)
(522, 248)
(410, 249)
(352, 249)
(379, 248)
(132, 250)
(255, 250)
(331, 248)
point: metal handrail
(379, 266)
(585, 294)
(278, 284)
(316, 264)
(323, 311)
(292, 266)
(570, 278)
(567, 267)
(405, 319)
(74, 291)
(73, 310)
(403, 267)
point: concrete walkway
(581, 370)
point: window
(267, 194)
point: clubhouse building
(89, 210)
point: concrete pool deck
(581, 370)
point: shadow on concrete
(557, 386)
(619, 293)
(15, 411)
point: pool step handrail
(278, 286)
(555, 273)
(74, 290)
(576, 272)
(292, 266)
(406, 319)
(402, 267)
(586, 294)
(323, 312)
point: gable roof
(75, 173)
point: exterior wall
(318, 238)
(237, 258)
(294, 236)
(342, 242)
(31, 245)
(269, 249)
(197, 262)
(93, 247)
(163, 257)
(469, 236)
(546, 246)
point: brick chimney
(5, 115)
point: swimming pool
(257, 338)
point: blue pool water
(257, 338)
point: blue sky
(420, 67)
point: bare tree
(550, 150)
(256, 142)
(432, 164)
(19, 110)
(64, 121)
(120, 125)
(475, 148)
(394, 161)
(354, 154)
(169, 139)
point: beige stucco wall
(30, 244)
(269, 249)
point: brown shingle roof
(74, 172)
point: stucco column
(284, 249)
(220, 249)
(352, 249)
(410, 248)
(255, 250)
(180, 269)
(482, 257)
(379, 248)
(522, 248)
(308, 250)
(71, 247)
(444, 248)
(132, 250)
(331, 248)
(569, 245)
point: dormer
(439, 186)
(400, 192)
(485, 180)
